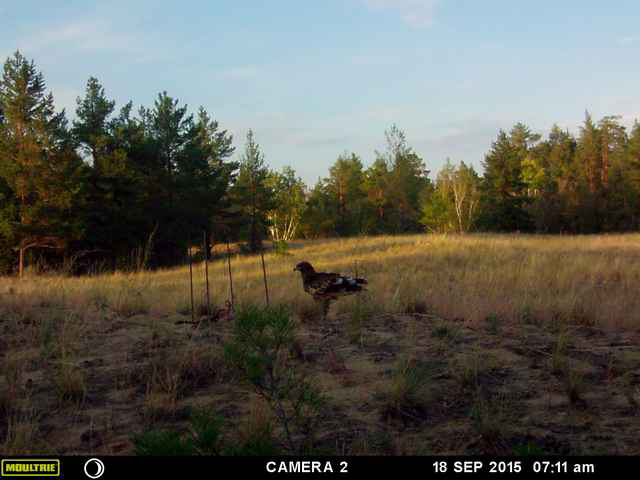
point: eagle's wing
(318, 283)
(333, 285)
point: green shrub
(281, 247)
(162, 443)
(203, 438)
(259, 349)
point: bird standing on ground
(327, 287)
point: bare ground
(493, 387)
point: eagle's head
(304, 267)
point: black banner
(111, 467)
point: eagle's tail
(354, 284)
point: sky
(314, 79)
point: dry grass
(456, 338)
(588, 280)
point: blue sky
(316, 78)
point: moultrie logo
(30, 467)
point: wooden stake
(206, 270)
(193, 318)
(230, 277)
(264, 274)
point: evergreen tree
(168, 131)
(91, 127)
(406, 180)
(40, 170)
(204, 175)
(376, 179)
(437, 202)
(551, 176)
(108, 201)
(252, 193)
(633, 155)
(504, 192)
(321, 215)
(345, 185)
(589, 154)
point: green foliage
(259, 349)
(162, 443)
(320, 216)
(444, 330)
(203, 438)
(493, 324)
(385, 198)
(345, 189)
(452, 204)
(40, 172)
(260, 334)
(281, 247)
(528, 450)
(406, 179)
(488, 416)
(253, 194)
(504, 195)
(437, 211)
(408, 380)
(288, 204)
(206, 432)
(260, 444)
(98, 191)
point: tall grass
(590, 280)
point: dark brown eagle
(326, 287)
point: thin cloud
(65, 98)
(417, 13)
(313, 139)
(80, 35)
(628, 40)
(373, 60)
(242, 72)
(87, 36)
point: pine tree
(110, 201)
(252, 193)
(320, 215)
(589, 154)
(504, 192)
(38, 164)
(407, 177)
(376, 186)
(91, 127)
(345, 185)
(204, 175)
(633, 154)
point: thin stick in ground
(230, 276)
(206, 270)
(264, 274)
(193, 318)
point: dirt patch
(407, 384)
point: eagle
(327, 287)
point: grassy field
(462, 344)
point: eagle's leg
(325, 308)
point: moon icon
(99, 466)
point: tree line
(130, 190)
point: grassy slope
(462, 345)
